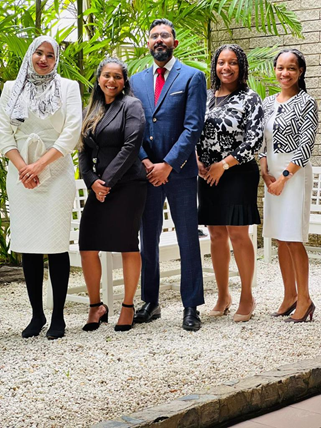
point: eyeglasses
(163, 36)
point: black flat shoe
(148, 312)
(53, 334)
(191, 319)
(125, 327)
(91, 326)
(34, 327)
(56, 329)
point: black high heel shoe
(91, 326)
(309, 313)
(125, 327)
(285, 313)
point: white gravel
(85, 378)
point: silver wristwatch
(225, 165)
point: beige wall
(309, 13)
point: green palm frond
(261, 59)
(261, 72)
(265, 15)
(15, 44)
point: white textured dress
(286, 217)
(40, 218)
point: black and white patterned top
(233, 127)
(294, 128)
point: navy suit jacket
(174, 125)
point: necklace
(217, 104)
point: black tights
(59, 268)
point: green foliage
(5, 256)
(122, 29)
(261, 73)
(17, 30)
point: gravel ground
(84, 378)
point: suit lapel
(174, 73)
(110, 115)
(149, 80)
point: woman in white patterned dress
(291, 121)
(40, 122)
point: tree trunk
(38, 17)
(80, 27)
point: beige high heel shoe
(213, 313)
(243, 318)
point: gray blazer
(111, 153)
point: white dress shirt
(168, 66)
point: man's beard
(162, 55)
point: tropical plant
(122, 27)
(5, 255)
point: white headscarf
(39, 93)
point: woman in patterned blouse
(291, 122)
(229, 175)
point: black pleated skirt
(113, 225)
(233, 202)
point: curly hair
(242, 63)
(96, 107)
(301, 63)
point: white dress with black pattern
(286, 217)
(233, 127)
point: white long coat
(40, 217)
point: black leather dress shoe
(148, 312)
(191, 319)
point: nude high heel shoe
(244, 318)
(213, 313)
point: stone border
(11, 274)
(230, 401)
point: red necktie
(160, 80)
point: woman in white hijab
(40, 122)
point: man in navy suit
(173, 97)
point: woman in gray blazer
(112, 134)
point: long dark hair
(242, 62)
(301, 63)
(96, 107)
